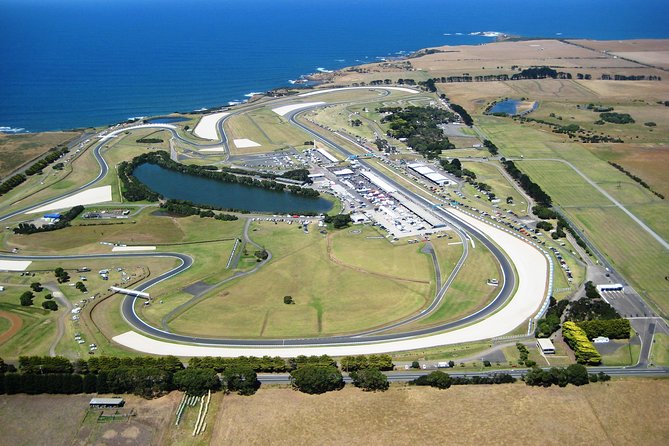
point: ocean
(76, 63)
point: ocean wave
(253, 93)
(486, 33)
(234, 102)
(323, 70)
(340, 60)
(12, 130)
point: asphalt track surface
(129, 302)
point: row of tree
(11, 183)
(442, 380)
(53, 155)
(530, 187)
(63, 222)
(575, 374)
(635, 178)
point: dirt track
(16, 324)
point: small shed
(104, 403)
(546, 346)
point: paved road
(658, 372)
(128, 306)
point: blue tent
(54, 216)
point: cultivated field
(598, 414)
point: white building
(546, 346)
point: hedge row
(578, 341)
(379, 362)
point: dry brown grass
(648, 161)
(35, 420)
(598, 414)
(16, 150)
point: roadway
(405, 376)
(128, 306)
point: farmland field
(462, 414)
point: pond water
(508, 106)
(206, 191)
(167, 119)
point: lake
(513, 107)
(206, 191)
(508, 106)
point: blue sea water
(73, 63)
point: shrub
(370, 380)
(316, 379)
(578, 341)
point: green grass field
(357, 247)
(629, 248)
(490, 174)
(469, 291)
(37, 332)
(329, 298)
(626, 354)
(660, 351)
(264, 127)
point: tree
(240, 379)
(288, 300)
(370, 380)
(196, 381)
(50, 305)
(81, 287)
(415, 365)
(338, 221)
(48, 296)
(36, 287)
(316, 379)
(27, 299)
(577, 374)
(437, 379)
